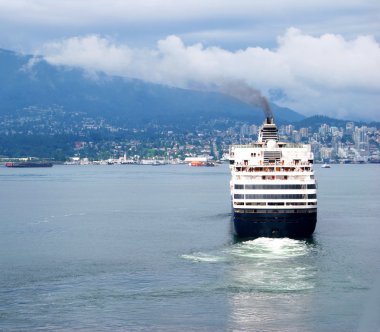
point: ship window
(256, 203)
(295, 203)
(276, 186)
(239, 186)
(276, 196)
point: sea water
(134, 248)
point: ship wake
(264, 265)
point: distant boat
(197, 163)
(202, 163)
(325, 166)
(29, 164)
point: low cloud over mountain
(315, 75)
(27, 81)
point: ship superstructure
(273, 188)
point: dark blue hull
(292, 224)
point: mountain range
(29, 81)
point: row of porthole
(275, 196)
(274, 186)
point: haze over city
(319, 57)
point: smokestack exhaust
(267, 110)
(243, 92)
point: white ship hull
(273, 189)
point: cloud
(91, 53)
(82, 12)
(315, 75)
(229, 24)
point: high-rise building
(349, 128)
(304, 132)
(289, 129)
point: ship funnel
(269, 120)
(268, 131)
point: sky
(314, 56)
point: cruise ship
(273, 187)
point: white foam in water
(272, 265)
(268, 248)
(265, 264)
(203, 257)
(39, 222)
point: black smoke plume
(248, 95)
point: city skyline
(83, 139)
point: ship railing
(256, 169)
(277, 163)
(251, 145)
(281, 145)
(274, 205)
(265, 178)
